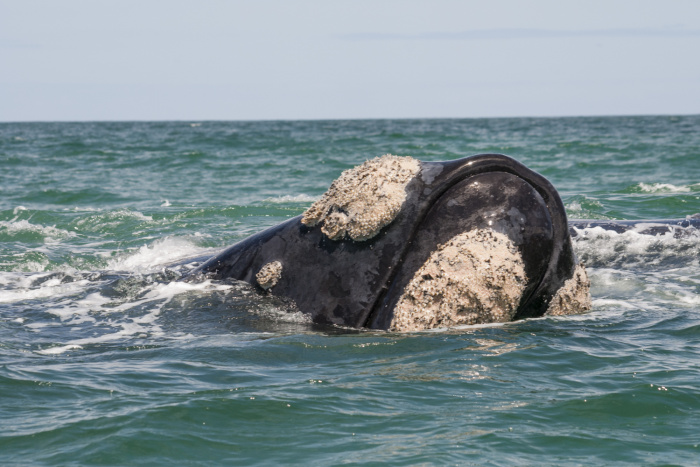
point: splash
(291, 199)
(47, 234)
(598, 247)
(149, 258)
(666, 188)
(132, 314)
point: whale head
(402, 244)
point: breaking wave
(667, 188)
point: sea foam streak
(50, 234)
(619, 265)
(667, 188)
(150, 258)
(18, 287)
(598, 247)
(292, 199)
(77, 298)
(112, 307)
(124, 301)
(100, 310)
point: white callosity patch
(476, 277)
(269, 274)
(363, 199)
(573, 297)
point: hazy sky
(285, 59)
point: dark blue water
(105, 361)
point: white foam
(610, 302)
(574, 206)
(113, 218)
(640, 290)
(77, 310)
(292, 199)
(51, 234)
(617, 278)
(83, 209)
(284, 315)
(690, 299)
(48, 290)
(18, 287)
(98, 309)
(597, 246)
(150, 258)
(59, 350)
(664, 188)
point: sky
(83, 60)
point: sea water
(105, 360)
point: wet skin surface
(357, 284)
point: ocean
(106, 360)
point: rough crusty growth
(476, 277)
(363, 199)
(573, 297)
(269, 274)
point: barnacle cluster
(475, 277)
(363, 199)
(573, 297)
(269, 274)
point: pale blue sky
(274, 59)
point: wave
(20, 287)
(23, 230)
(291, 199)
(108, 221)
(155, 256)
(103, 311)
(125, 300)
(124, 317)
(666, 188)
(135, 294)
(598, 247)
(581, 206)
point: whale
(406, 245)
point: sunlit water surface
(104, 360)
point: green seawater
(105, 360)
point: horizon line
(195, 120)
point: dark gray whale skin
(357, 283)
